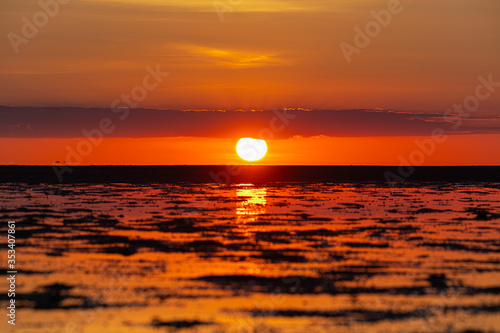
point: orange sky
(455, 150)
(262, 55)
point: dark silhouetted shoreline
(245, 174)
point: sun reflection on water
(252, 201)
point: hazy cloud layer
(30, 122)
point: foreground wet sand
(276, 257)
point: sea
(251, 249)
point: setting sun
(251, 149)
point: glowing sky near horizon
(262, 55)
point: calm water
(242, 258)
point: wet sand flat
(273, 257)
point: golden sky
(254, 55)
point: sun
(251, 149)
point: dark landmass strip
(244, 174)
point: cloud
(73, 122)
(229, 58)
(241, 5)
